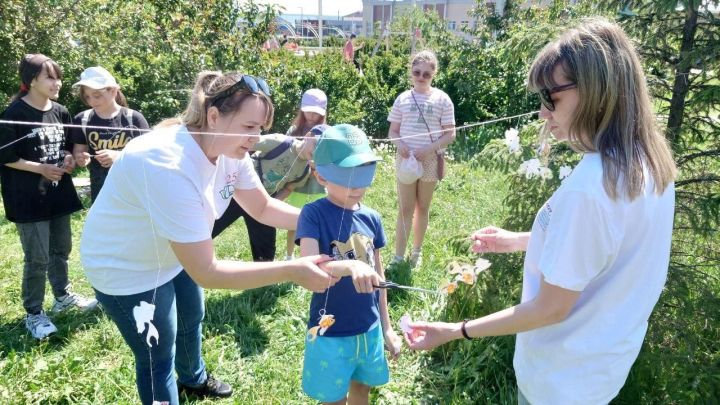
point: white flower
(512, 140)
(546, 173)
(564, 171)
(530, 168)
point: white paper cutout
(144, 314)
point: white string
(380, 140)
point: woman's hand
(51, 172)
(429, 335)
(403, 150)
(82, 159)
(425, 153)
(492, 239)
(312, 274)
(68, 163)
(106, 157)
(393, 343)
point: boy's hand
(393, 343)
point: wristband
(464, 331)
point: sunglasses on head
(425, 74)
(545, 94)
(247, 82)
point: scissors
(391, 285)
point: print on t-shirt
(227, 191)
(52, 139)
(427, 114)
(106, 139)
(358, 247)
(544, 216)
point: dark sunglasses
(545, 94)
(247, 82)
(425, 75)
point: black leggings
(262, 237)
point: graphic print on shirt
(52, 139)
(227, 191)
(544, 216)
(428, 107)
(358, 247)
(99, 140)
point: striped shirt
(437, 108)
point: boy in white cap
(349, 323)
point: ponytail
(208, 85)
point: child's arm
(364, 277)
(393, 343)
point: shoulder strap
(84, 120)
(422, 116)
(278, 150)
(128, 116)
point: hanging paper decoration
(144, 314)
(326, 321)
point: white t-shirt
(437, 108)
(617, 254)
(162, 188)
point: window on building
(463, 24)
(451, 25)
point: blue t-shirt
(344, 235)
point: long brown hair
(614, 115)
(208, 85)
(300, 125)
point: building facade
(377, 14)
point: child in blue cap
(349, 324)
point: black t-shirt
(23, 198)
(97, 137)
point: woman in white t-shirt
(422, 124)
(155, 217)
(598, 252)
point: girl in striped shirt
(422, 124)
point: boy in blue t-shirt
(349, 323)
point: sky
(329, 7)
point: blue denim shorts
(332, 362)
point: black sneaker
(212, 388)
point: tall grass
(254, 338)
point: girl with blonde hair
(422, 125)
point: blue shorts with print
(332, 362)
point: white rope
(379, 140)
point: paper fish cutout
(326, 321)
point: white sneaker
(73, 300)
(396, 260)
(39, 325)
(415, 258)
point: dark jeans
(179, 311)
(262, 237)
(46, 245)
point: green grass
(253, 339)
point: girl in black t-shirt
(105, 128)
(37, 190)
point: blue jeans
(46, 246)
(179, 311)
